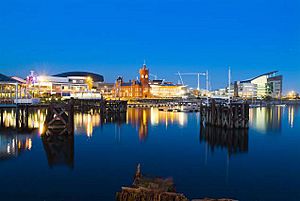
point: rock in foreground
(154, 189)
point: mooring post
(71, 116)
(213, 111)
(102, 106)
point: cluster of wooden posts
(113, 106)
(234, 115)
(60, 116)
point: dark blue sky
(113, 38)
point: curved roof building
(266, 75)
(4, 78)
(267, 84)
(94, 76)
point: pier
(60, 114)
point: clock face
(146, 76)
(142, 76)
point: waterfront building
(69, 84)
(245, 90)
(106, 89)
(162, 89)
(135, 88)
(12, 88)
(275, 86)
(264, 85)
(79, 79)
(146, 88)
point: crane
(198, 77)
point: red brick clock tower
(144, 79)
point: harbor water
(259, 164)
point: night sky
(114, 37)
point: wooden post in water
(234, 115)
(102, 106)
(71, 117)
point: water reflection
(12, 144)
(139, 119)
(59, 150)
(17, 118)
(142, 118)
(266, 119)
(234, 140)
(85, 122)
(292, 111)
(166, 118)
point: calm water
(258, 165)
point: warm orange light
(89, 81)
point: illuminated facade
(275, 86)
(135, 88)
(246, 90)
(12, 88)
(71, 84)
(145, 88)
(268, 84)
(161, 89)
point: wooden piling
(71, 116)
(234, 115)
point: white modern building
(268, 84)
(70, 84)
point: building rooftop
(94, 76)
(135, 82)
(4, 78)
(269, 74)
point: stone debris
(150, 189)
(212, 199)
(154, 189)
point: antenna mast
(229, 83)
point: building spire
(144, 65)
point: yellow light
(291, 94)
(89, 81)
(41, 128)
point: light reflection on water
(84, 123)
(268, 119)
(183, 145)
(263, 120)
(12, 145)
